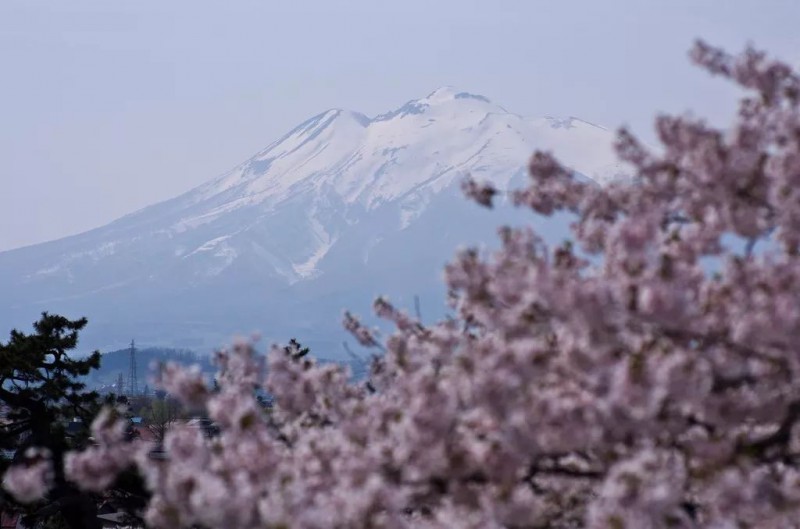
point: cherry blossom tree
(618, 381)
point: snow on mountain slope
(427, 142)
(332, 198)
(405, 155)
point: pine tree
(41, 384)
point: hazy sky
(108, 106)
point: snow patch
(209, 245)
(47, 271)
(223, 255)
(412, 207)
(325, 241)
(308, 268)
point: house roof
(144, 433)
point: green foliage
(42, 387)
(296, 350)
(40, 383)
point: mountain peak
(333, 210)
(440, 97)
(450, 93)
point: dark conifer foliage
(44, 397)
(296, 350)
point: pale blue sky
(108, 106)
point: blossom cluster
(617, 381)
(30, 479)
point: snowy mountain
(340, 209)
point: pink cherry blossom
(643, 375)
(30, 480)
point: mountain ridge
(330, 199)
